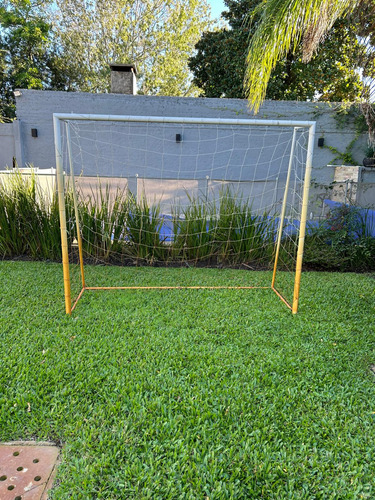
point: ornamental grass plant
(116, 228)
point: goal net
(183, 191)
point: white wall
(7, 146)
(35, 109)
(10, 144)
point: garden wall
(35, 109)
(10, 144)
(340, 131)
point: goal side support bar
(75, 201)
(62, 212)
(302, 228)
(283, 208)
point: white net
(182, 193)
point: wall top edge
(222, 100)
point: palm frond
(283, 25)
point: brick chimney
(123, 79)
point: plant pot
(369, 162)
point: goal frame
(60, 118)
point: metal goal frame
(60, 118)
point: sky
(217, 7)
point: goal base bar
(180, 288)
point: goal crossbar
(59, 118)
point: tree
(287, 25)
(218, 65)
(68, 44)
(7, 110)
(220, 61)
(26, 51)
(157, 35)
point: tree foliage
(301, 26)
(157, 35)
(25, 49)
(69, 44)
(220, 62)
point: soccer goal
(174, 191)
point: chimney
(123, 80)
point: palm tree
(286, 24)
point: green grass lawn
(192, 394)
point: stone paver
(26, 470)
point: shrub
(343, 241)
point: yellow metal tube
(302, 229)
(61, 200)
(283, 207)
(75, 202)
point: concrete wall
(35, 109)
(45, 180)
(10, 144)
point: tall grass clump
(117, 228)
(29, 221)
(146, 243)
(194, 229)
(226, 232)
(103, 218)
(242, 236)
